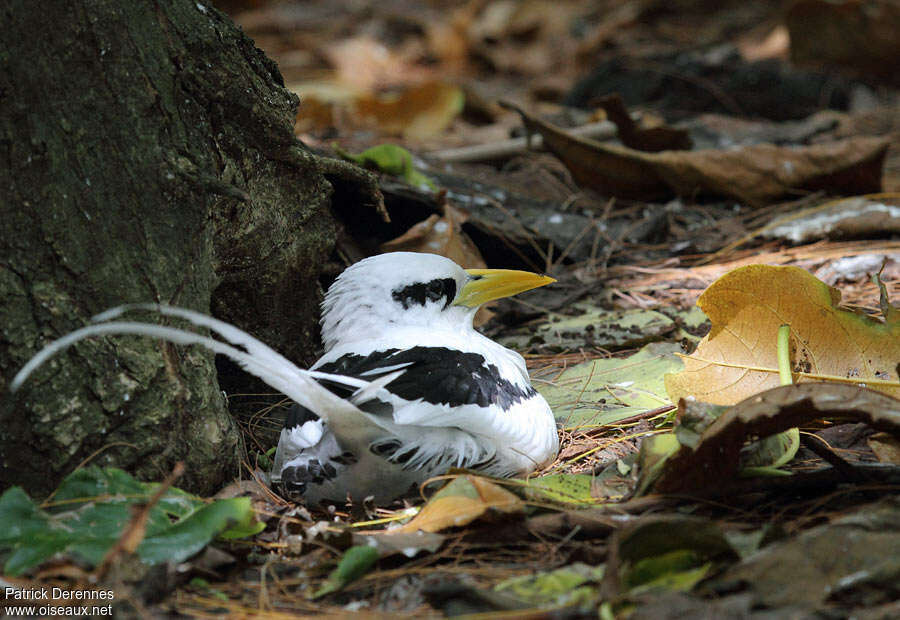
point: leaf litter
(648, 509)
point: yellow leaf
(746, 306)
(463, 500)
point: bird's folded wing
(439, 384)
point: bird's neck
(364, 325)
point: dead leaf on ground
(460, 502)
(886, 448)
(775, 44)
(572, 489)
(414, 113)
(666, 553)
(440, 235)
(523, 38)
(746, 306)
(715, 460)
(754, 174)
(408, 544)
(856, 555)
(861, 36)
(761, 457)
(720, 131)
(367, 63)
(569, 586)
(634, 136)
(860, 217)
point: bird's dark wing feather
(435, 374)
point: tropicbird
(405, 389)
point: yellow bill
(487, 285)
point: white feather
(276, 370)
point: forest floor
(647, 155)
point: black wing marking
(437, 375)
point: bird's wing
(449, 407)
(436, 381)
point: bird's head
(401, 289)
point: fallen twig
(602, 130)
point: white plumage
(405, 389)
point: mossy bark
(146, 154)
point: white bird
(406, 388)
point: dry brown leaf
(650, 139)
(463, 500)
(861, 36)
(419, 112)
(886, 448)
(775, 44)
(440, 235)
(716, 458)
(859, 217)
(524, 37)
(367, 64)
(415, 113)
(753, 174)
(746, 307)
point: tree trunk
(146, 154)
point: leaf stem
(784, 355)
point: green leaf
(356, 561)
(670, 552)
(562, 488)
(390, 159)
(605, 391)
(573, 585)
(38, 549)
(26, 533)
(189, 535)
(595, 327)
(19, 517)
(674, 572)
(246, 524)
(85, 485)
(93, 506)
(773, 451)
(655, 451)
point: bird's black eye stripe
(422, 292)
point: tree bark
(146, 154)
